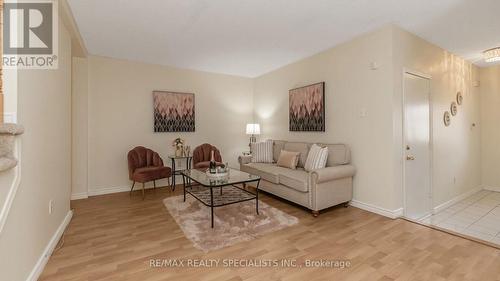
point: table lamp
(252, 130)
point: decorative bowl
(217, 175)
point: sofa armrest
(244, 159)
(333, 173)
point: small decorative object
(252, 130)
(460, 98)
(187, 150)
(173, 112)
(453, 108)
(447, 118)
(307, 108)
(218, 174)
(178, 145)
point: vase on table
(179, 151)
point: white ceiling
(252, 37)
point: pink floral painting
(307, 108)
(173, 112)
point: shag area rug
(232, 223)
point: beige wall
(490, 128)
(44, 108)
(456, 149)
(79, 128)
(120, 115)
(351, 88)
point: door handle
(410, 157)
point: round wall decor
(460, 98)
(447, 118)
(453, 108)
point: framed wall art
(453, 108)
(460, 98)
(173, 112)
(447, 118)
(307, 108)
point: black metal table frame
(186, 180)
(179, 172)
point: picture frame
(307, 108)
(173, 111)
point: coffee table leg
(212, 206)
(184, 185)
(173, 174)
(257, 197)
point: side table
(176, 171)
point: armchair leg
(154, 184)
(132, 188)
(315, 214)
(142, 191)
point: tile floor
(477, 215)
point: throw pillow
(262, 152)
(288, 159)
(316, 159)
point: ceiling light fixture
(492, 55)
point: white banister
(10, 175)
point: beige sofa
(315, 190)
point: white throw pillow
(262, 152)
(316, 159)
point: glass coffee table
(220, 192)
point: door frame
(431, 141)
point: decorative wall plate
(447, 118)
(460, 98)
(454, 108)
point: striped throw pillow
(316, 159)
(262, 152)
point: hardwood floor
(114, 237)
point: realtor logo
(30, 34)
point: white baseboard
(492, 188)
(456, 199)
(79, 195)
(44, 258)
(116, 189)
(377, 210)
(108, 190)
(5, 209)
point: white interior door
(417, 149)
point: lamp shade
(253, 129)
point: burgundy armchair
(145, 165)
(201, 156)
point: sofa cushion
(266, 171)
(151, 173)
(338, 154)
(262, 152)
(278, 146)
(288, 159)
(295, 179)
(316, 159)
(301, 147)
